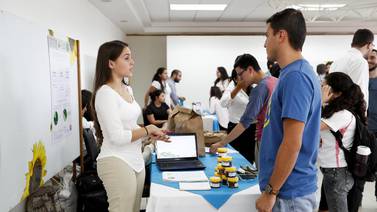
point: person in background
(341, 99)
(87, 119)
(273, 68)
(235, 100)
(372, 110)
(120, 163)
(328, 65)
(216, 108)
(290, 140)
(175, 77)
(321, 71)
(249, 71)
(157, 111)
(159, 82)
(222, 80)
(354, 62)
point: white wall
(78, 19)
(149, 53)
(198, 57)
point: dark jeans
(355, 195)
(337, 182)
(245, 143)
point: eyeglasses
(240, 74)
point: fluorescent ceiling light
(317, 7)
(196, 7)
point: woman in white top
(235, 99)
(159, 82)
(341, 98)
(120, 164)
(222, 80)
(216, 108)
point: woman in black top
(157, 112)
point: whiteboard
(25, 108)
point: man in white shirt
(354, 62)
(175, 77)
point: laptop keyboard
(181, 163)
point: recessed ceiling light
(196, 7)
(106, 1)
(123, 21)
(317, 7)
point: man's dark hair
(362, 37)
(328, 63)
(246, 60)
(321, 69)
(175, 72)
(292, 21)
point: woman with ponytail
(120, 163)
(341, 100)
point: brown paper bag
(213, 137)
(184, 120)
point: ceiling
(239, 17)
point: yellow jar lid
(219, 159)
(215, 179)
(222, 150)
(227, 158)
(224, 177)
(233, 179)
(220, 167)
(231, 169)
(217, 174)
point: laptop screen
(181, 146)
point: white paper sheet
(194, 186)
(185, 176)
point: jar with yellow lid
(219, 160)
(215, 182)
(222, 151)
(217, 174)
(225, 179)
(226, 161)
(233, 182)
(231, 172)
(220, 169)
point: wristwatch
(270, 190)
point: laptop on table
(179, 154)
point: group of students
(292, 116)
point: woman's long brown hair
(107, 51)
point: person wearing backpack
(341, 99)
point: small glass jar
(215, 182)
(231, 172)
(225, 179)
(226, 161)
(221, 152)
(233, 182)
(220, 169)
(217, 174)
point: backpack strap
(338, 137)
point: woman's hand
(156, 133)
(326, 94)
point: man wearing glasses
(250, 73)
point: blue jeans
(306, 203)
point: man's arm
(288, 152)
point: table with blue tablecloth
(166, 196)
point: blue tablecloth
(216, 197)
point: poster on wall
(61, 73)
